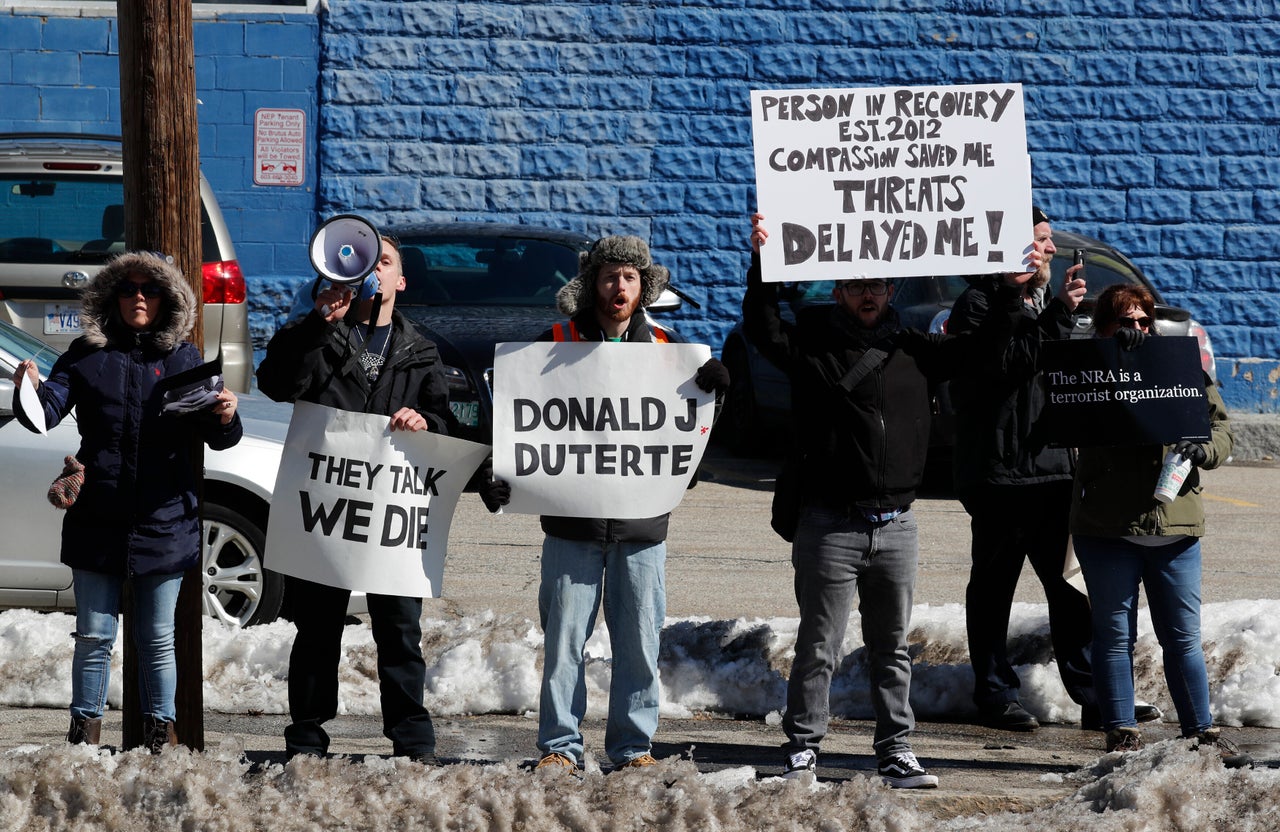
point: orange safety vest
(559, 332)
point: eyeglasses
(128, 289)
(857, 287)
(1134, 323)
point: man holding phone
(1017, 491)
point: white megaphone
(345, 250)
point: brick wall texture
(1153, 125)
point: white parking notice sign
(279, 147)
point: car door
(30, 528)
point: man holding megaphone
(355, 352)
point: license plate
(61, 319)
(467, 413)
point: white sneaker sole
(918, 781)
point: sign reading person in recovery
(361, 507)
(598, 430)
(1099, 394)
(892, 182)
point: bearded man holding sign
(587, 559)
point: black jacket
(137, 512)
(999, 433)
(863, 449)
(319, 362)
(645, 530)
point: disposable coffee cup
(1172, 475)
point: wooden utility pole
(162, 213)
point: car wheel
(739, 423)
(237, 589)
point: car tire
(238, 589)
(739, 424)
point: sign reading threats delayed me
(362, 507)
(598, 429)
(1098, 394)
(892, 182)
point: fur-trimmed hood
(578, 295)
(100, 310)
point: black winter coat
(863, 449)
(999, 433)
(603, 530)
(319, 362)
(137, 512)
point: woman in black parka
(136, 516)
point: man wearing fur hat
(587, 559)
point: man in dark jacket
(585, 560)
(1017, 491)
(861, 402)
(359, 354)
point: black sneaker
(1010, 716)
(1146, 712)
(903, 771)
(798, 763)
(1091, 717)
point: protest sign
(361, 507)
(598, 430)
(892, 182)
(1098, 394)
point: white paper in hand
(30, 404)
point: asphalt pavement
(725, 562)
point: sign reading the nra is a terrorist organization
(892, 182)
(1099, 394)
(361, 507)
(598, 429)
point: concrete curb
(1257, 437)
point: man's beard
(1041, 276)
(606, 308)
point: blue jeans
(576, 575)
(1112, 569)
(837, 553)
(155, 598)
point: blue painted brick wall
(1153, 124)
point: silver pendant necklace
(374, 362)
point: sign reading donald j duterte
(598, 429)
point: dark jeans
(319, 613)
(1013, 523)
(836, 554)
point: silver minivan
(62, 218)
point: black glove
(1130, 339)
(494, 493)
(712, 377)
(1193, 452)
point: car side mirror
(668, 301)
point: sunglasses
(129, 289)
(857, 287)
(1134, 323)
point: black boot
(157, 733)
(85, 731)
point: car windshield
(484, 270)
(19, 345)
